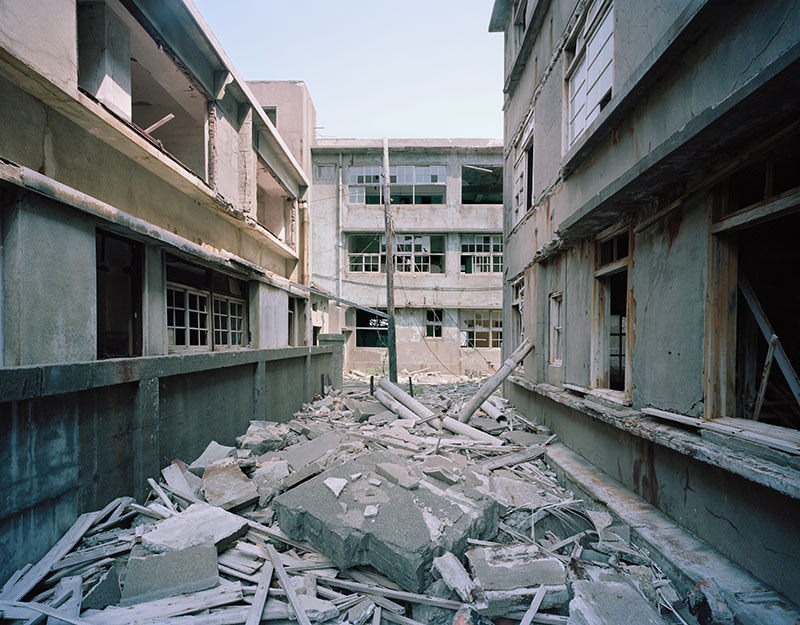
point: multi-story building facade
(153, 265)
(652, 187)
(446, 202)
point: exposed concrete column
(145, 435)
(247, 162)
(259, 387)
(154, 306)
(336, 342)
(104, 56)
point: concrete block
(301, 475)
(212, 453)
(413, 527)
(317, 610)
(298, 456)
(431, 615)
(261, 437)
(514, 566)
(706, 603)
(454, 576)
(225, 485)
(508, 492)
(609, 602)
(267, 478)
(360, 612)
(382, 418)
(501, 602)
(398, 474)
(193, 526)
(107, 591)
(150, 576)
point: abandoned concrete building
(652, 181)
(446, 198)
(154, 241)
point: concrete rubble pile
(358, 510)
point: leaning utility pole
(387, 214)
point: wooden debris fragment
(286, 583)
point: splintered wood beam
(762, 390)
(283, 578)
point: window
(481, 253)
(481, 184)
(589, 75)
(556, 329)
(272, 114)
(481, 328)
(119, 296)
(520, 23)
(433, 323)
(367, 253)
(410, 184)
(371, 329)
(205, 309)
(517, 309)
(612, 260)
(326, 172)
(414, 253)
(523, 172)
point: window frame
(415, 257)
(377, 326)
(493, 258)
(320, 167)
(433, 327)
(556, 321)
(495, 332)
(361, 178)
(229, 318)
(186, 291)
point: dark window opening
(768, 260)
(371, 330)
(616, 248)
(616, 329)
(481, 184)
(272, 114)
(119, 296)
(433, 323)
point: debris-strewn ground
(353, 513)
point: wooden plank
(400, 595)
(753, 215)
(767, 429)
(38, 572)
(162, 495)
(762, 389)
(16, 577)
(90, 555)
(254, 615)
(27, 609)
(224, 594)
(526, 455)
(70, 588)
(176, 480)
(534, 607)
(284, 580)
(397, 618)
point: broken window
(481, 184)
(520, 23)
(205, 309)
(433, 323)
(410, 184)
(367, 252)
(612, 260)
(119, 296)
(517, 310)
(481, 253)
(371, 329)
(556, 329)
(481, 328)
(589, 56)
(419, 253)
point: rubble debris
(706, 603)
(404, 515)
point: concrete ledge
(17, 383)
(781, 478)
(684, 558)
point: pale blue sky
(397, 68)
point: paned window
(481, 328)
(371, 330)
(481, 253)
(414, 253)
(187, 318)
(326, 171)
(433, 323)
(556, 329)
(410, 184)
(590, 58)
(228, 321)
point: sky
(375, 68)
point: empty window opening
(557, 329)
(371, 330)
(481, 253)
(481, 184)
(366, 253)
(414, 253)
(410, 184)
(205, 309)
(617, 289)
(517, 311)
(275, 210)
(481, 328)
(768, 260)
(272, 114)
(433, 323)
(119, 296)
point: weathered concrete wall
(76, 436)
(49, 302)
(749, 523)
(270, 328)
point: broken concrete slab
(261, 437)
(267, 478)
(193, 526)
(107, 591)
(225, 485)
(301, 475)
(609, 602)
(303, 454)
(383, 418)
(508, 492)
(150, 576)
(415, 526)
(455, 576)
(502, 602)
(398, 474)
(212, 453)
(515, 566)
(433, 615)
(706, 603)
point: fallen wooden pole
(422, 411)
(493, 382)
